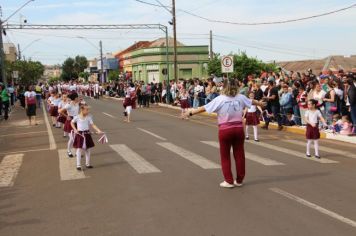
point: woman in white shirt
(230, 107)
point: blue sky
(317, 38)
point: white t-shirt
(83, 124)
(229, 109)
(252, 108)
(313, 116)
(55, 102)
(30, 94)
(72, 110)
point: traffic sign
(227, 64)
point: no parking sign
(227, 64)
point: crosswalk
(10, 164)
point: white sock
(79, 156)
(87, 157)
(308, 146)
(246, 134)
(316, 147)
(255, 132)
(70, 143)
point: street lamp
(2, 53)
(28, 45)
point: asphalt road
(159, 175)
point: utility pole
(2, 56)
(175, 41)
(101, 62)
(211, 53)
(19, 51)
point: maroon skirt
(312, 132)
(127, 102)
(61, 119)
(67, 126)
(252, 119)
(53, 111)
(79, 140)
(184, 104)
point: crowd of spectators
(286, 93)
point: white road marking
(20, 134)
(250, 156)
(190, 156)
(25, 151)
(67, 167)
(323, 148)
(9, 168)
(135, 160)
(292, 152)
(315, 207)
(107, 114)
(52, 142)
(152, 134)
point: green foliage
(73, 66)
(113, 75)
(243, 66)
(214, 66)
(84, 75)
(29, 71)
(54, 80)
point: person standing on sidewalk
(352, 100)
(271, 95)
(230, 107)
(38, 90)
(5, 102)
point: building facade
(149, 63)
(10, 51)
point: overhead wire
(256, 23)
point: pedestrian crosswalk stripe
(292, 152)
(67, 167)
(190, 156)
(250, 156)
(9, 168)
(135, 160)
(325, 149)
(152, 134)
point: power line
(255, 23)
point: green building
(148, 62)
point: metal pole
(101, 62)
(19, 51)
(167, 65)
(175, 40)
(211, 46)
(2, 57)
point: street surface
(160, 175)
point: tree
(214, 65)
(84, 75)
(72, 67)
(113, 75)
(29, 71)
(243, 66)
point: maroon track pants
(235, 138)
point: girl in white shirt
(312, 117)
(252, 118)
(54, 103)
(83, 141)
(61, 118)
(70, 110)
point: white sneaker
(226, 185)
(237, 184)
